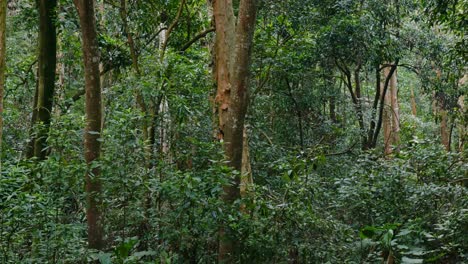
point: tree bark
(3, 12)
(246, 171)
(44, 98)
(395, 112)
(382, 103)
(391, 117)
(444, 129)
(387, 117)
(92, 133)
(232, 48)
(462, 126)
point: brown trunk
(356, 100)
(462, 126)
(42, 111)
(92, 133)
(395, 112)
(3, 12)
(387, 117)
(444, 129)
(413, 103)
(60, 72)
(382, 103)
(232, 49)
(246, 172)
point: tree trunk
(387, 116)
(462, 126)
(246, 171)
(382, 103)
(3, 12)
(232, 48)
(44, 98)
(444, 129)
(395, 112)
(92, 133)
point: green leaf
(406, 260)
(104, 258)
(368, 232)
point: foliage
(316, 196)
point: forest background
(245, 131)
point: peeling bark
(232, 48)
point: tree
(43, 100)
(92, 133)
(232, 50)
(3, 11)
(391, 122)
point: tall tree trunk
(246, 171)
(444, 129)
(462, 126)
(45, 88)
(382, 103)
(440, 109)
(395, 112)
(3, 13)
(233, 47)
(92, 133)
(387, 116)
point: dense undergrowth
(349, 208)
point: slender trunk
(358, 102)
(395, 112)
(355, 98)
(246, 181)
(377, 98)
(387, 117)
(164, 129)
(246, 171)
(382, 103)
(46, 77)
(233, 46)
(92, 134)
(298, 112)
(413, 103)
(462, 126)
(387, 122)
(3, 12)
(444, 129)
(60, 72)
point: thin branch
(348, 150)
(197, 37)
(171, 27)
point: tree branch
(197, 37)
(171, 27)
